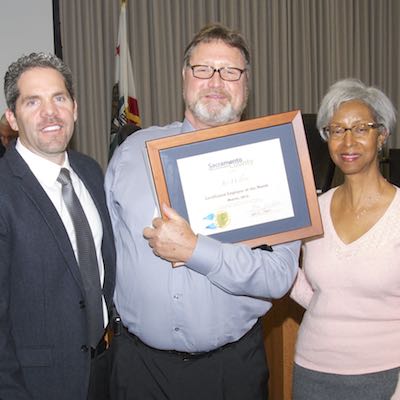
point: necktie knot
(64, 177)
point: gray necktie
(87, 258)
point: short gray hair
(353, 89)
(26, 62)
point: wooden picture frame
(243, 166)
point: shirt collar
(186, 126)
(44, 170)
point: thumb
(170, 213)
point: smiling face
(355, 155)
(45, 113)
(213, 102)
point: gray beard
(216, 117)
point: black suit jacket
(43, 332)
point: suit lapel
(34, 191)
(95, 190)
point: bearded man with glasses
(190, 332)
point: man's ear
(11, 119)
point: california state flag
(124, 104)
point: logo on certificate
(216, 220)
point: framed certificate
(248, 182)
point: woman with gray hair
(348, 342)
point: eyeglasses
(230, 74)
(358, 130)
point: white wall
(25, 26)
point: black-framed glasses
(358, 131)
(230, 74)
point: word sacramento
(236, 162)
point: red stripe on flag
(133, 106)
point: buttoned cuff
(205, 255)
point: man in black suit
(47, 350)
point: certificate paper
(236, 187)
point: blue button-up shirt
(215, 298)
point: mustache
(218, 92)
(50, 121)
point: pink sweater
(352, 296)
